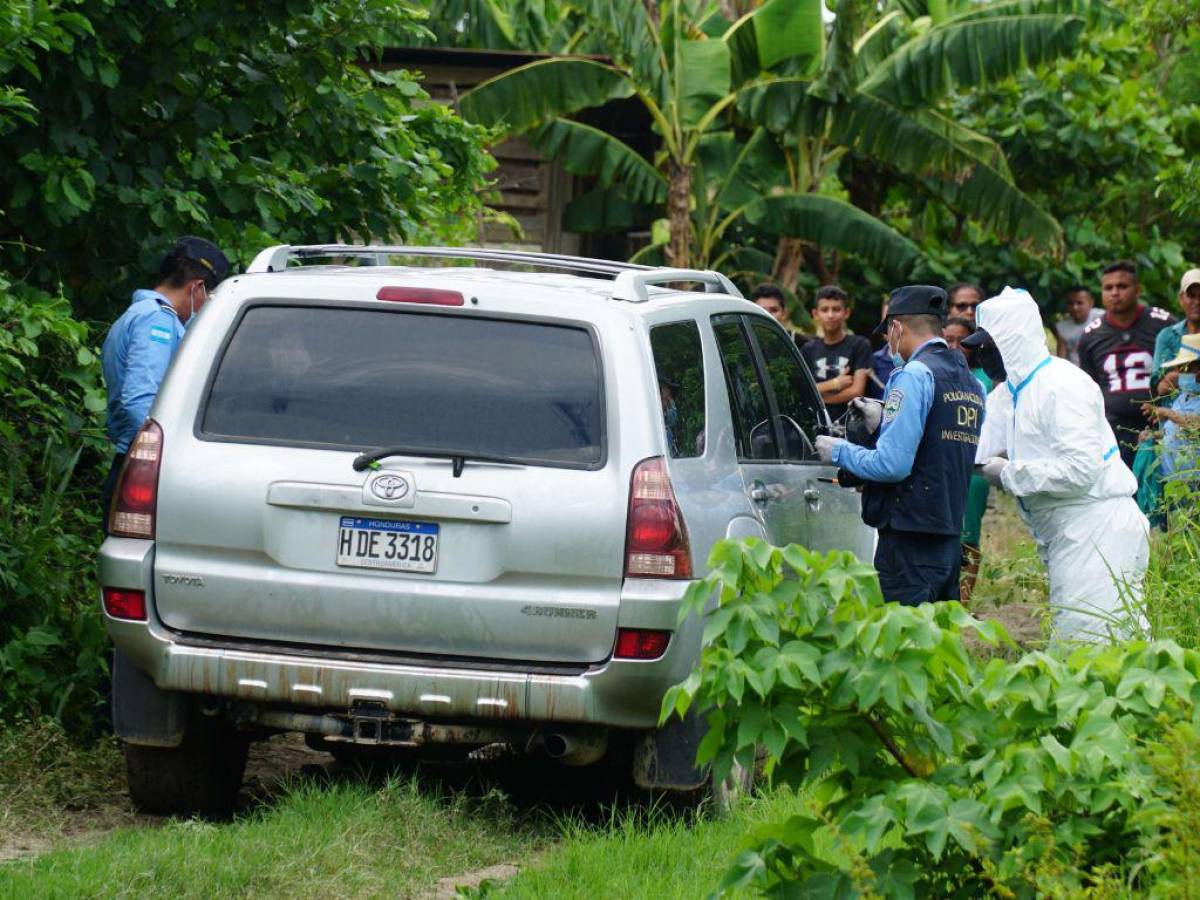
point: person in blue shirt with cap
(926, 433)
(141, 343)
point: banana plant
(687, 80)
(868, 84)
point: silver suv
(403, 506)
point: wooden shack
(532, 189)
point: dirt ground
(270, 765)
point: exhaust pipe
(579, 748)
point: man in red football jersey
(1117, 350)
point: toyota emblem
(389, 487)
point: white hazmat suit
(1074, 492)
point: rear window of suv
(358, 379)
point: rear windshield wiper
(369, 459)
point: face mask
(894, 349)
(192, 300)
(1187, 383)
(988, 358)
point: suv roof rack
(275, 259)
(631, 279)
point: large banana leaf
(783, 106)
(603, 209)
(985, 196)
(915, 142)
(1093, 12)
(528, 95)
(703, 77)
(584, 150)
(837, 225)
(879, 42)
(735, 170)
(634, 41)
(970, 54)
(778, 30)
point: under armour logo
(827, 368)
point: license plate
(387, 544)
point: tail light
(432, 296)
(641, 643)
(136, 496)
(656, 542)
(121, 603)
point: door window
(752, 425)
(796, 400)
(679, 364)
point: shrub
(937, 773)
(52, 655)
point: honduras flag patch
(160, 335)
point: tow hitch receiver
(370, 725)
(377, 726)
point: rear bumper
(618, 693)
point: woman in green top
(955, 331)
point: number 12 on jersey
(1128, 371)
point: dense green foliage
(1092, 138)
(873, 91)
(249, 123)
(938, 773)
(52, 645)
(122, 126)
(1021, 142)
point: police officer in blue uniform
(141, 344)
(926, 433)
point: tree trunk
(679, 201)
(789, 260)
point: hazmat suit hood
(1014, 321)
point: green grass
(636, 855)
(340, 839)
(1011, 571)
(47, 781)
(1171, 595)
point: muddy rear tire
(715, 799)
(202, 776)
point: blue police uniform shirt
(137, 351)
(907, 399)
(919, 470)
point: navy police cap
(206, 253)
(915, 300)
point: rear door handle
(758, 493)
(812, 497)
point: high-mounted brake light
(641, 643)
(432, 296)
(656, 541)
(121, 603)
(136, 497)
